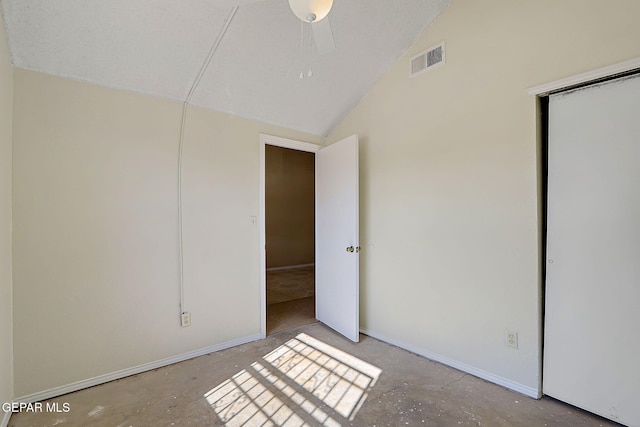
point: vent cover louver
(427, 59)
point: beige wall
(289, 206)
(6, 108)
(95, 230)
(449, 191)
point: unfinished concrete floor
(306, 377)
(290, 314)
(290, 298)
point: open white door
(337, 240)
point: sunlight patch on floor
(303, 381)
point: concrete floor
(291, 314)
(291, 283)
(290, 299)
(309, 376)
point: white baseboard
(5, 419)
(101, 379)
(485, 375)
(290, 267)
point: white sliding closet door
(592, 310)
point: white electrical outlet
(185, 319)
(511, 339)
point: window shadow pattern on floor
(304, 382)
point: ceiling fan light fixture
(311, 10)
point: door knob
(350, 249)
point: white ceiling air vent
(427, 59)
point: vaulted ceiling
(158, 47)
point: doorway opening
(288, 218)
(290, 237)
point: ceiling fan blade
(323, 37)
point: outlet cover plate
(511, 339)
(185, 319)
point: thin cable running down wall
(185, 104)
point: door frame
(284, 143)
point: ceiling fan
(314, 12)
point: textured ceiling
(158, 47)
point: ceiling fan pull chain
(301, 49)
(310, 57)
(304, 62)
